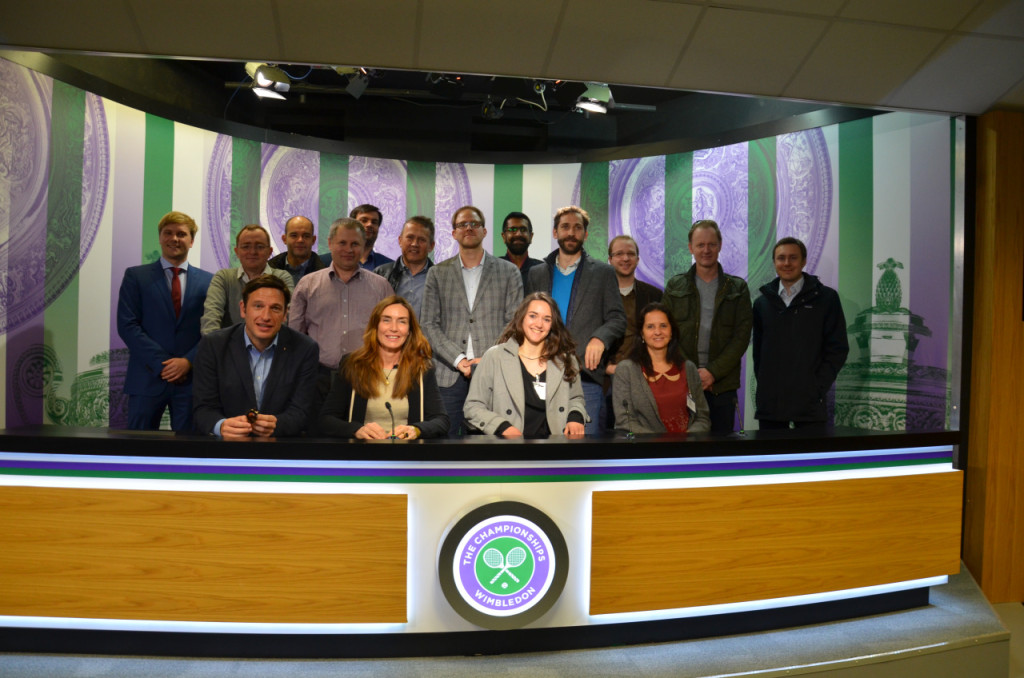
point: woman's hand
(407, 432)
(512, 432)
(573, 429)
(371, 431)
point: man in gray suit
(467, 301)
(587, 293)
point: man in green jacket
(713, 312)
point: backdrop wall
(84, 181)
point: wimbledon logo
(503, 565)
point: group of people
(355, 345)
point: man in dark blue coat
(256, 378)
(159, 308)
(800, 342)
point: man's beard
(570, 246)
(518, 246)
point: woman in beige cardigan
(656, 390)
(528, 385)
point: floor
(946, 638)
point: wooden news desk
(128, 542)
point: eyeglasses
(251, 248)
(623, 253)
(469, 224)
(518, 229)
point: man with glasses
(588, 299)
(467, 302)
(712, 310)
(517, 232)
(300, 258)
(624, 257)
(223, 299)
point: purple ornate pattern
(451, 191)
(804, 189)
(24, 172)
(720, 193)
(380, 182)
(290, 186)
(218, 203)
(636, 198)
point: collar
(240, 272)
(167, 265)
(249, 346)
(795, 288)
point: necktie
(176, 291)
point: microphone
(629, 419)
(387, 404)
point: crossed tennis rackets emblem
(514, 558)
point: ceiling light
(268, 77)
(264, 93)
(597, 98)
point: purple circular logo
(503, 565)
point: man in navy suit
(158, 312)
(257, 378)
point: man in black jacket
(800, 342)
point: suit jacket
(224, 388)
(640, 415)
(496, 393)
(595, 306)
(446, 317)
(146, 324)
(427, 414)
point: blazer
(344, 411)
(447, 320)
(146, 324)
(641, 416)
(224, 388)
(595, 306)
(496, 393)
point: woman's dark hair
(640, 355)
(558, 346)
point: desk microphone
(387, 404)
(629, 418)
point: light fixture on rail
(597, 98)
(268, 81)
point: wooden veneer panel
(663, 549)
(203, 556)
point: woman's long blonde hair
(363, 368)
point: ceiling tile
(961, 78)
(451, 35)
(818, 7)
(321, 31)
(1014, 99)
(627, 42)
(861, 63)
(940, 14)
(101, 26)
(997, 17)
(221, 30)
(748, 52)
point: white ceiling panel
(861, 63)
(222, 30)
(451, 34)
(734, 51)
(938, 14)
(102, 26)
(614, 41)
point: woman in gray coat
(656, 390)
(528, 385)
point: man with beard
(371, 218)
(517, 232)
(467, 302)
(712, 310)
(587, 294)
(223, 300)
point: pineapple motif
(888, 292)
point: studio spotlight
(597, 98)
(268, 77)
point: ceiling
(949, 56)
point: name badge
(541, 388)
